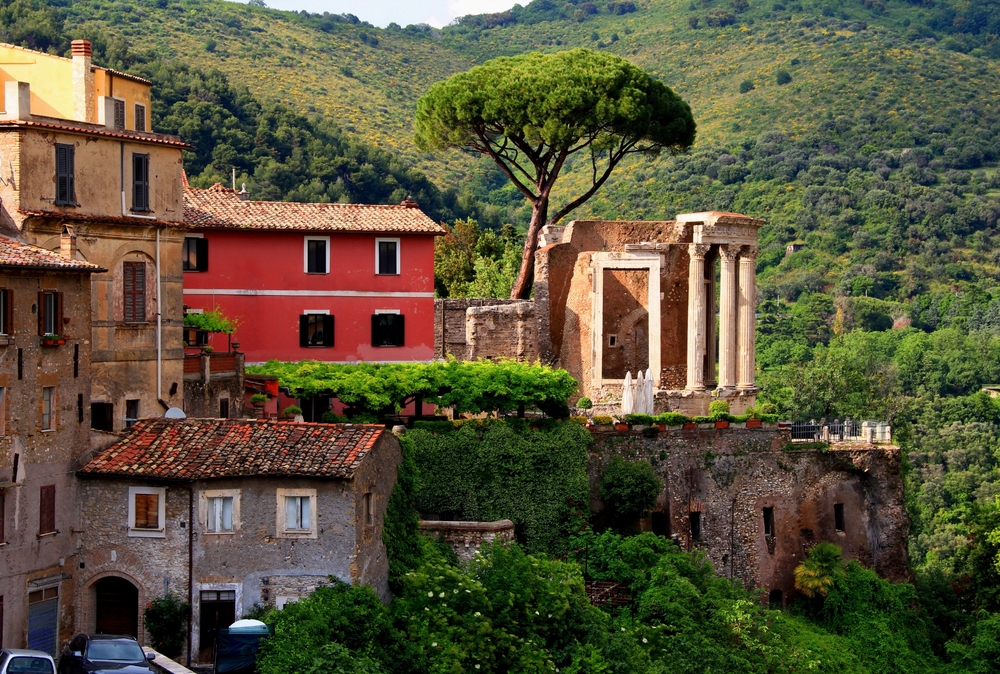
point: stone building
(755, 502)
(77, 151)
(618, 297)
(214, 384)
(44, 432)
(228, 514)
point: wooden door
(117, 607)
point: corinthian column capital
(749, 252)
(698, 250)
(729, 252)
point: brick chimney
(67, 243)
(83, 82)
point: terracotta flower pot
(689, 425)
(753, 423)
(621, 427)
(662, 427)
(722, 424)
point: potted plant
(603, 424)
(584, 403)
(753, 421)
(291, 412)
(638, 421)
(258, 400)
(53, 339)
(719, 411)
(621, 425)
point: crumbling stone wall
(465, 538)
(475, 328)
(729, 476)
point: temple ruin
(676, 297)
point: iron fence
(847, 430)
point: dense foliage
(385, 388)
(488, 471)
(508, 611)
(629, 490)
(165, 618)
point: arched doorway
(117, 607)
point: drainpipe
(159, 324)
(190, 629)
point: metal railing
(848, 430)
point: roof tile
(15, 253)
(218, 207)
(197, 449)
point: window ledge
(6, 340)
(46, 534)
(218, 533)
(139, 210)
(71, 204)
(146, 533)
(123, 324)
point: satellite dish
(175, 413)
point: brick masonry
(730, 475)
(466, 538)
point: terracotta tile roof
(18, 254)
(93, 130)
(199, 449)
(86, 217)
(218, 207)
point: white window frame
(162, 507)
(205, 510)
(399, 269)
(305, 253)
(285, 532)
(52, 410)
(145, 116)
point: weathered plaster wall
(466, 538)
(451, 327)
(44, 457)
(204, 389)
(731, 475)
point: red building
(331, 282)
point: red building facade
(329, 282)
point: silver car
(18, 661)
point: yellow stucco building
(77, 154)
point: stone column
(727, 317)
(710, 339)
(747, 317)
(696, 331)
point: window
(297, 513)
(776, 600)
(146, 511)
(134, 291)
(695, 518)
(194, 337)
(140, 182)
(131, 412)
(3, 419)
(769, 522)
(50, 306)
(219, 516)
(386, 256)
(65, 175)
(612, 340)
(6, 312)
(3, 518)
(119, 113)
(317, 254)
(388, 330)
(48, 408)
(195, 253)
(102, 417)
(223, 408)
(366, 502)
(838, 516)
(47, 510)
(315, 330)
(140, 117)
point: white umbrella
(628, 402)
(648, 393)
(639, 394)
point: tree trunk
(526, 276)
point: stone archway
(116, 606)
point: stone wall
(729, 476)
(469, 329)
(465, 538)
(219, 376)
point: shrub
(329, 417)
(291, 411)
(584, 403)
(579, 420)
(166, 620)
(628, 491)
(693, 22)
(602, 420)
(783, 77)
(817, 574)
(259, 398)
(768, 408)
(638, 419)
(718, 409)
(671, 419)
(745, 86)
(401, 528)
(211, 321)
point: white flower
(455, 591)
(430, 594)
(441, 595)
(623, 629)
(434, 644)
(644, 640)
(478, 614)
(537, 613)
(477, 666)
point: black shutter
(47, 509)
(202, 254)
(57, 324)
(41, 313)
(71, 173)
(400, 337)
(328, 330)
(140, 182)
(375, 331)
(304, 330)
(8, 296)
(65, 192)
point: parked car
(17, 661)
(104, 654)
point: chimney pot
(67, 243)
(81, 48)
